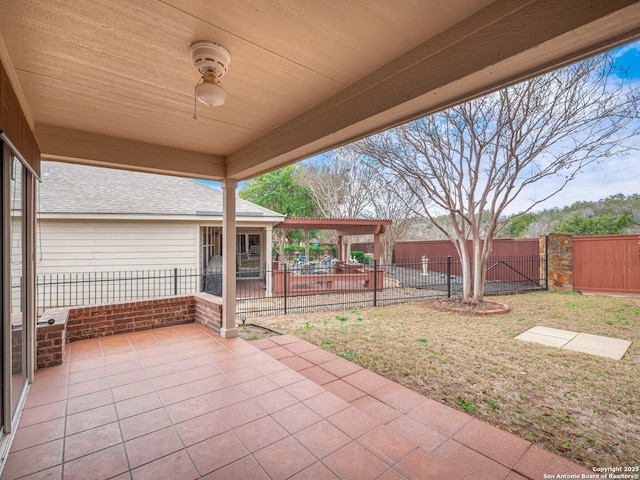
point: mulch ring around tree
(470, 308)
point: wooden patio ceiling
(111, 83)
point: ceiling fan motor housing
(210, 58)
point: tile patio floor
(182, 403)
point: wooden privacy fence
(503, 247)
(510, 258)
(607, 263)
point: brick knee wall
(17, 341)
(51, 343)
(208, 311)
(50, 337)
(79, 323)
(116, 318)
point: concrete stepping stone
(579, 342)
(597, 345)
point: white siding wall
(92, 262)
(101, 246)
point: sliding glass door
(17, 255)
(15, 285)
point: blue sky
(629, 57)
(613, 176)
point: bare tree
(348, 186)
(388, 201)
(471, 161)
(340, 186)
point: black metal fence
(90, 288)
(311, 288)
(296, 288)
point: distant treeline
(609, 216)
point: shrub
(358, 255)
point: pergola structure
(343, 227)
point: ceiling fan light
(211, 94)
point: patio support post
(340, 249)
(268, 273)
(376, 247)
(228, 328)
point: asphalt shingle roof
(75, 189)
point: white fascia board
(112, 216)
(259, 221)
(241, 220)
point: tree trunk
(347, 255)
(478, 270)
(281, 239)
(467, 274)
(306, 243)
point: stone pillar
(558, 248)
